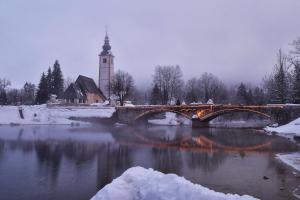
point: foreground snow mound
(289, 130)
(291, 159)
(138, 183)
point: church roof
(73, 92)
(88, 85)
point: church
(85, 90)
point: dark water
(61, 162)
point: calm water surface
(63, 162)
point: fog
(233, 39)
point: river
(64, 162)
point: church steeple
(106, 68)
(106, 47)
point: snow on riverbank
(147, 184)
(170, 119)
(291, 159)
(289, 130)
(41, 114)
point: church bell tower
(106, 68)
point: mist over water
(61, 162)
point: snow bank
(289, 130)
(41, 114)
(291, 159)
(147, 184)
(170, 119)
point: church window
(104, 60)
(112, 61)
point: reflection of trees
(1, 148)
(167, 160)
(112, 161)
(49, 157)
(204, 160)
(79, 152)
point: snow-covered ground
(171, 119)
(289, 130)
(41, 114)
(291, 159)
(147, 184)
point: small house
(84, 90)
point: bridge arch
(157, 111)
(216, 114)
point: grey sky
(233, 39)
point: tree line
(50, 83)
(282, 85)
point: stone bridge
(202, 114)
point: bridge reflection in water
(202, 140)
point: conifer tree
(242, 94)
(280, 80)
(49, 78)
(58, 81)
(249, 97)
(3, 97)
(296, 84)
(155, 95)
(42, 93)
(258, 96)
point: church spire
(106, 47)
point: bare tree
(169, 81)
(67, 82)
(295, 62)
(212, 88)
(122, 85)
(192, 91)
(4, 83)
(28, 94)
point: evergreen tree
(3, 97)
(155, 95)
(296, 84)
(280, 80)
(242, 94)
(49, 78)
(258, 96)
(249, 97)
(58, 81)
(42, 93)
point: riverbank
(42, 115)
(290, 130)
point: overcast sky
(237, 40)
